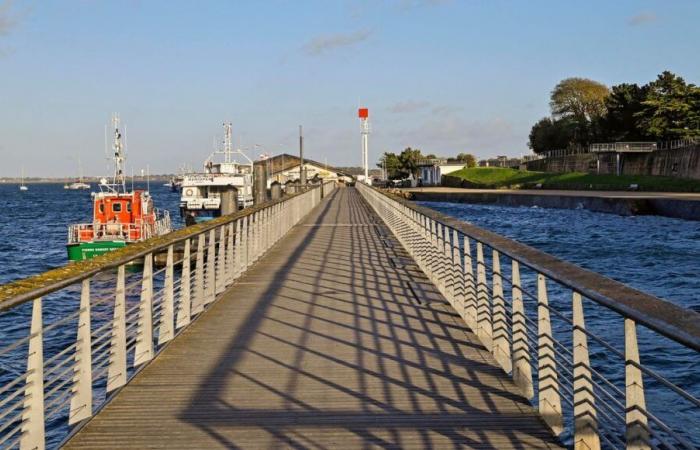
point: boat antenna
(227, 142)
(118, 150)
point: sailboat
(77, 185)
(22, 187)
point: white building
(285, 167)
(432, 170)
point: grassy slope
(497, 177)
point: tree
(552, 134)
(670, 110)
(579, 98)
(409, 160)
(623, 105)
(468, 159)
(392, 164)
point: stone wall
(682, 163)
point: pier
(336, 317)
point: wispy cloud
(409, 4)
(408, 106)
(642, 19)
(7, 21)
(323, 44)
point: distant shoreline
(89, 180)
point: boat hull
(88, 250)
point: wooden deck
(322, 345)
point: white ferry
(204, 196)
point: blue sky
(444, 76)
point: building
(285, 167)
(432, 170)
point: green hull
(88, 250)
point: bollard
(276, 190)
(259, 184)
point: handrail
(26, 289)
(511, 316)
(124, 321)
(677, 323)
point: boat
(22, 186)
(209, 194)
(120, 217)
(78, 184)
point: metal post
(229, 254)
(635, 403)
(81, 399)
(522, 370)
(220, 284)
(549, 400)
(484, 328)
(585, 420)
(116, 372)
(33, 431)
(210, 285)
(198, 302)
(183, 312)
(501, 346)
(144, 333)
(167, 331)
(302, 167)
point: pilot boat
(120, 217)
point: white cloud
(322, 44)
(642, 19)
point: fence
(61, 372)
(588, 406)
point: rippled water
(657, 255)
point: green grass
(498, 177)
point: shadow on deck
(323, 344)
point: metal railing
(108, 317)
(575, 398)
(621, 147)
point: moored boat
(120, 217)
(210, 194)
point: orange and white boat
(119, 217)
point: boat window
(116, 207)
(128, 206)
(102, 208)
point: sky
(443, 76)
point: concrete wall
(682, 163)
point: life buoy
(188, 192)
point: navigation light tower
(363, 114)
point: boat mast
(227, 142)
(119, 179)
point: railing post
(470, 287)
(167, 331)
(458, 279)
(483, 308)
(635, 403)
(210, 283)
(244, 246)
(522, 370)
(81, 398)
(237, 257)
(549, 399)
(198, 301)
(33, 430)
(229, 255)
(116, 372)
(220, 283)
(185, 305)
(144, 330)
(501, 346)
(585, 420)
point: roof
(285, 161)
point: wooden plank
(314, 347)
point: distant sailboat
(22, 187)
(77, 185)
